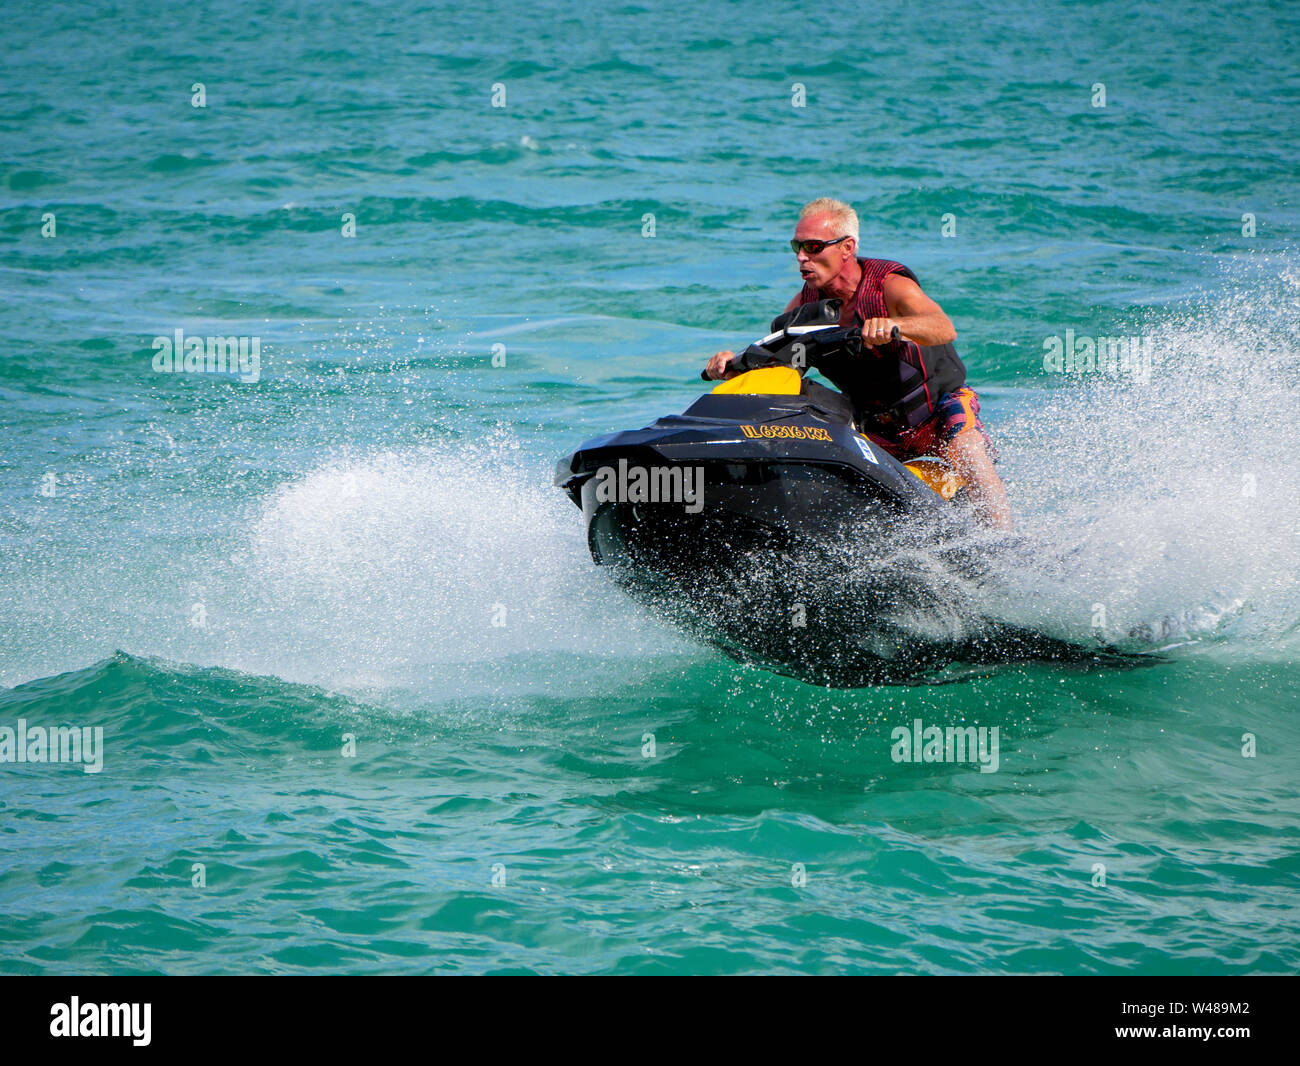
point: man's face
(820, 268)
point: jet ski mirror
(821, 313)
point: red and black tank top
(869, 300)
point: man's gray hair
(845, 218)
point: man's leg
(966, 448)
(970, 458)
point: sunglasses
(813, 247)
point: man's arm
(917, 317)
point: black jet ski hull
(791, 504)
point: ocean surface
(367, 706)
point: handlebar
(827, 335)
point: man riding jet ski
(908, 389)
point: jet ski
(763, 520)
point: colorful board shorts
(957, 412)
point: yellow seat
(769, 381)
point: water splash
(395, 568)
(1160, 513)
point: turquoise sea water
(231, 578)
